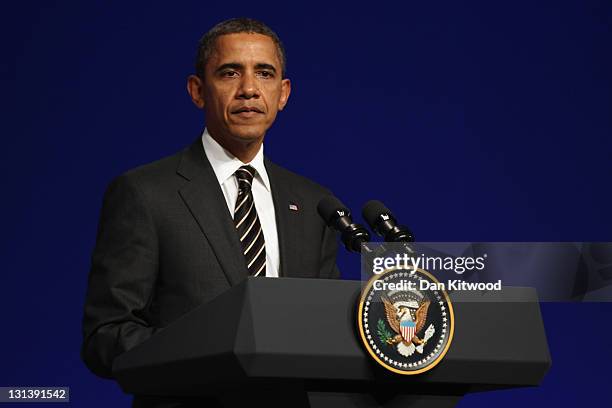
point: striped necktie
(247, 224)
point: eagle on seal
(396, 315)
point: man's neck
(243, 151)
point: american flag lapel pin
(293, 206)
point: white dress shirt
(224, 165)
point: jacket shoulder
(297, 181)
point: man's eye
(229, 74)
(266, 74)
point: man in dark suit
(178, 232)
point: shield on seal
(407, 328)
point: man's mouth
(247, 110)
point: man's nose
(248, 87)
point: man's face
(243, 87)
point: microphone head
(337, 216)
(374, 212)
(380, 219)
(330, 208)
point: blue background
(480, 121)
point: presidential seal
(405, 320)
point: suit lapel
(288, 221)
(204, 198)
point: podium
(292, 343)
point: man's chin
(247, 134)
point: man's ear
(195, 86)
(285, 91)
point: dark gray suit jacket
(166, 243)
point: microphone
(337, 216)
(380, 219)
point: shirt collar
(225, 164)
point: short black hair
(235, 26)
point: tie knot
(245, 176)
